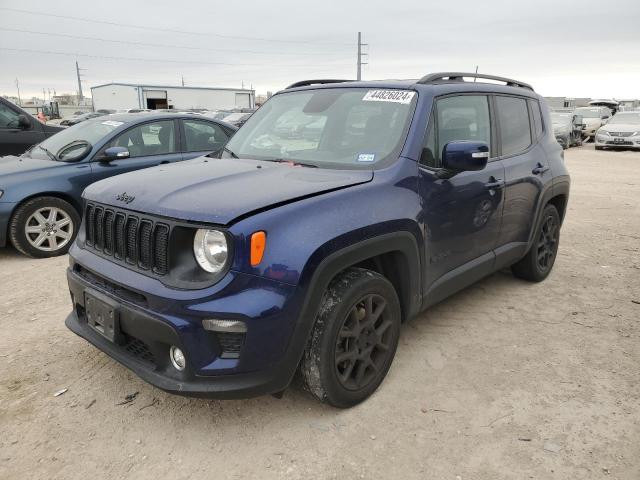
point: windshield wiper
(230, 152)
(50, 155)
(292, 162)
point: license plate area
(103, 315)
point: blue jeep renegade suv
(339, 210)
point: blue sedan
(40, 191)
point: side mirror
(114, 153)
(465, 156)
(24, 122)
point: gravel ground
(504, 380)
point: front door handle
(494, 183)
(540, 169)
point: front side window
(457, 118)
(203, 136)
(157, 138)
(328, 128)
(515, 129)
(8, 118)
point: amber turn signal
(258, 244)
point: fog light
(224, 326)
(177, 358)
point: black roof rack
(444, 77)
(305, 83)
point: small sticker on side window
(396, 96)
(366, 157)
(112, 123)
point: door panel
(462, 217)
(526, 168)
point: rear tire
(538, 262)
(44, 227)
(354, 339)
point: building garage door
(243, 100)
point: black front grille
(128, 237)
(620, 134)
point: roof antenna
(476, 77)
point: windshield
(589, 112)
(625, 118)
(89, 131)
(329, 128)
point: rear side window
(515, 130)
(203, 136)
(457, 118)
(537, 117)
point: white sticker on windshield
(366, 157)
(397, 96)
(112, 123)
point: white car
(593, 118)
(623, 130)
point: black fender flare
(403, 241)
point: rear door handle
(540, 169)
(494, 184)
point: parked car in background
(238, 118)
(81, 118)
(40, 191)
(568, 128)
(19, 130)
(290, 254)
(134, 110)
(593, 118)
(217, 114)
(622, 131)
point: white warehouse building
(121, 96)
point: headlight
(210, 250)
(604, 133)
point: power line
(158, 29)
(162, 45)
(163, 60)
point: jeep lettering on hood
(220, 190)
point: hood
(213, 190)
(10, 165)
(621, 127)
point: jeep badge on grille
(123, 197)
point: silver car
(593, 118)
(623, 130)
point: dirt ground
(505, 380)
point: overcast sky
(563, 48)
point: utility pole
(44, 97)
(183, 80)
(360, 55)
(80, 97)
(18, 87)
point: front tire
(44, 227)
(538, 262)
(354, 339)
